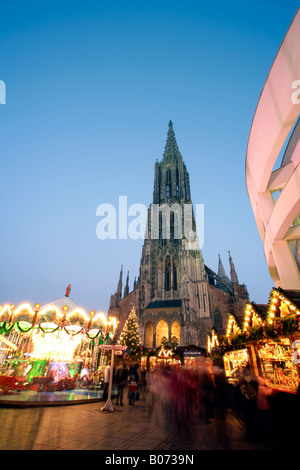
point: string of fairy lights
(49, 333)
(281, 308)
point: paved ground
(86, 427)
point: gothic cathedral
(177, 298)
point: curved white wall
(277, 112)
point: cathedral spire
(126, 290)
(171, 152)
(119, 291)
(233, 275)
(221, 271)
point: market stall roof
(283, 303)
(255, 315)
(262, 309)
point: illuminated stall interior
(163, 356)
(278, 356)
(234, 361)
(276, 364)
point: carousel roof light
(62, 310)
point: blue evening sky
(90, 89)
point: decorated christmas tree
(130, 336)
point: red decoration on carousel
(68, 290)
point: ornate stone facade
(177, 298)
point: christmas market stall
(162, 355)
(48, 346)
(237, 356)
(190, 355)
(277, 350)
(266, 343)
(235, 347)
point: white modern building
(273, 163)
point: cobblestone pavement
(86, 427)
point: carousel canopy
(62, 312)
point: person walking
(121, 382)
(264, 410)
(132, 384)
(106, 381)
(207, 389)
(248, 393)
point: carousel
(51, 348)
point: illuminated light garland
(212, 341)
(251, 318)
(232, 326)
(8, 343)
(165, 353)
(280, 303)
(10, 309)
(95, 318)
(53, 334)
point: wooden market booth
(162, 356)
(266, 342)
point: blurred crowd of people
(184, 395)
(180, 396)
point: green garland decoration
(8, 327)
(282, 327)
(23, 330)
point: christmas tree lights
(130, 336)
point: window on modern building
(295, 249)
(296, 221)
(275, 194)
(285, 153)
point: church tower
(172, 281)
(177, 298)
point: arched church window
(162, 333)
(175, 287)
(168, 183)
(161, 237)
(172, 226)
(218, 324)
(149, 335)
(177, 182)
(175, 332)
(167, 274)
